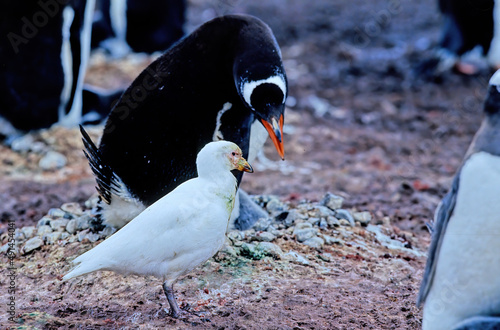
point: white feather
(248, 87)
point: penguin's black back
(168, 114)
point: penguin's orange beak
(275, 131)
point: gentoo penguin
(178, 232)
(121, 26)
(43, 58)
(466, 25)
(461, 284)
(224, 81)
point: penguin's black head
(266, 98)
(492, 103)
(260, 77)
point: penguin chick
(180, 231)
(461, 286)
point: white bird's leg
(175, 311)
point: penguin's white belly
(467, 278)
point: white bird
(178, 232)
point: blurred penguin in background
(43, 59)
(461, 284)
(467, 26)
(124, 26)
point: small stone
(29, 231)
(269, 249)
(262, 224)
(305, 234)
(363, 217)
(59, 225)
(333, 202)
(264, 237)
(323, 224)
(71, 226)
(303, 225)
(325, 257)
(313, 221)
(73, 208)
(274, 205)
(344, 222)
(81, 235)
(83, 222)
(292, 217)
(329, 240)
(52, 160)
(64, 235)
(92, 202)
(92, 237)
(322, 212)
(57, 213)
(19, 235)
(314, 242)
(32, 244)
(234, 236)
(45, 221)
(107, 231)
(332, 222)
(38, 147)
(294, 256)
(43, 230)
(22, 143)
(346, 215)
(52, 238)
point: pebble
(235, 236)
(262, 224)
(45, 221)
(52, 238)
(274, 205)
(32, 244)
(364, 218)
(304, 233)
(294, 256)
(270, 249)
(314, 242)
(81, 235)
(73, 208)
(52, 160)
(107, 231)
(22, 143)
(332, 222)
(346, 215)
(329, 240)
(92, 237)
(43, 230)
(57, 213)
(323, 224)
(29, 231)
(333, 202)
(314, 221)
(321, 212)
(292, 217)
(71, 226)
(59, 225)
(264, 237)
(344, 222)
(82, 222)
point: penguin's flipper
(479, 323)
(441, 219)
(250, 212)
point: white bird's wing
(177, 223)
(441, 220)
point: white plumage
(178, 232)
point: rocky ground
(371, 147)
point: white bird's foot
(175, 311)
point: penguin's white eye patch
(249, 86)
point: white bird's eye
(233, 153)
